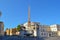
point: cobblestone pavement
(27, 38)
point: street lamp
(0, 14)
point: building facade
(12, 31)
(53, 28)
(1, 29)
(43, 31)
(7, 31)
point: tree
(18, 28)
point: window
(34, 28)
(41, 33)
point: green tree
(18, 28)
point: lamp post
(0, 26)
(0, 14)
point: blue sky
(15, 12)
